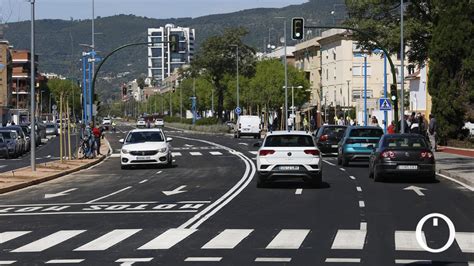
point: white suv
(146, 146)
(288, 155)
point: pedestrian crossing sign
(384, 104)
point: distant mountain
(57, 41)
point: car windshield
(144, 136)
(405, 142)
(289, 141)
(366, 132)
(50, 126)
(7, 135)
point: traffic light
(393, 93)
(297, 28)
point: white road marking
(108, 240)
(363, 226)
(288, 239)
(416, 189)
(7, 262)
(215, 153)
(64, 261)
(203, 259)
(352, 177)
(456, 181)
(49, 241)
(254, 159)
(159, 172)
(329, 162)
(111, 194)
(195, 153)
(168, 239)
(343, 260)
(63, 193)
(342, 169)
(465, 241)
(94, 212)
(298, 191)
(2, 166)
(228, 239)
(268, 259)
(143, 181)
(115, 155)
(176, 154)
(131, 261)
(359, 189)
(175, 191)
(349, 239)
(7, 236)
(243, 143)
(406, 241)
(254, 152)
(361, 204)
(413, 261)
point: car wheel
(344, 161)
(317, 180)
(377, 176)
(260, 181)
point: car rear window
(366, 132)
(405, 142)
(289, 141)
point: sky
(18, 10)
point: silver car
(12, 141)
(51, 129)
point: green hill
(57, 41)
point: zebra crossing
(285, 239)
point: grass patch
(201, 128)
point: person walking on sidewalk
(290, 123)
(97, 135)
(432, 132)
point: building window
(358, 93)
(358, 70)
(334, 54)
(156, 63)
(157, 33)
(156, 52)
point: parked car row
(15, 140)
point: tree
(451, 66)
(67, 88)
(217, 58)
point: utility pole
(32, 89)
(402, 71)
(286, 77)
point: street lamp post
(32, 88)
(286, 73)
(237, 66)
(402, 70)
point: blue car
(354, 146)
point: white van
(248, 125)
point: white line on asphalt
(465, 241)
(176, 154)
(1, 166)
(359, 189)
(7, 262)
(215, 153)
(81, 203)
(115, 155)
(194, 201)
(95, 165)
(108, 240)
(343, 260)
(49, 241)
(143, 181)
(130, 261)
(342, 169)
(203, 259)
(288, 239)
(298, 191)
(363, 226)
(406, 241)
(195, 153)
(64, 261)
(326, 161)
(349, 239)
(168, 239)
(111, 194)
(7, 236)
(159, 172)
(227, 239)
(361, 204)
(268, 259)
(94, 212)
(413, 262)
(254, 152)
(243, 143)
(352, 177)
(456, 181)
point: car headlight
(162, 150)
(125, 151)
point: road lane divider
(298, 191)
(326, 161)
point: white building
(163, 58)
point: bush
(207, 121)
(175, 119)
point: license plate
(143, 157)
(289, 168)
(333, 146)
(408, 167)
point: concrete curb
(456, 177)
(48, 178)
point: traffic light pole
(393, 86)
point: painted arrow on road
(175, 191)
(416, 189)
(59, 194)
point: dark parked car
(328, 136)
(22, 139)
(402, 155)
(11, 138)
(4, 153)
(354, 144)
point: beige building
(5, 80)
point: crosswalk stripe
(115, 155)
(228, 239)
(465, 241)
(195, 153)
(168, 239)
(7, 262)
(349, 239)
(49, 241)
(267, 259)
(203, 259)
(215, 153)
(7, 236)
(288, 239)
(176, 154)
(406, 241)
(64, 261)
(108, 240)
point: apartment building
(164, 58)
(5, 81)
(21, 78)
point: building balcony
(21, 90)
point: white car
(288, 155)
(106, 121)
(146, 146)
(248, 125)
(141, 122)
(159, 122)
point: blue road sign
(238, 110)
(384, 104)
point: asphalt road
(206, 209)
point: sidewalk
(24, 177)
(457, 164)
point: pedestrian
(97, 136)
(432, 132)
(313, 124)
(374, 122)
(340, 121)
(270, 122)
(391, 128)
(305, 124)
(9, 123)
(415, 124)
(290, 123)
